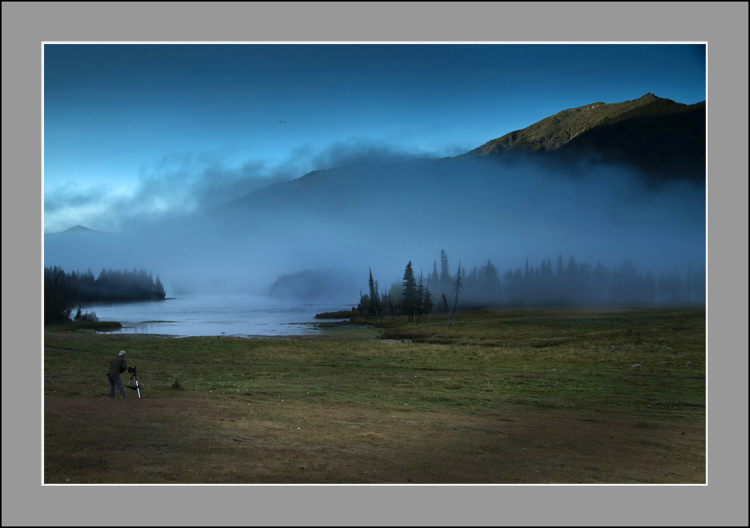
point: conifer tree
(373, 298)
(470, 285)
(560, 278)
(456, 288)
(445, 307)
(427, 301)
(420, 297)
(445, 276)
(560, 267)
(159, 289)
(491, 280)
(394, 298)
(410, 302)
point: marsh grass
(547, 396)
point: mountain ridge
(663, 138)
(78, 229)
(659, 138)
(558, 129)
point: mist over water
(213, 315)
(383, 214)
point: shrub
(175, 383)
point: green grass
(500, 396)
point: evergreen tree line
(62, 291)
(410, 298)
(571, 283)
(561, 284)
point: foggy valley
(381, 215)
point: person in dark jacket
(116, 367)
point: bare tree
(456, 288)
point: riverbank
(94, 326)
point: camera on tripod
(134, 379)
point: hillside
(663, 138)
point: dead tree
(456, 288)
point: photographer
(116, 367)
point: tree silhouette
(374, 297)
(159, 289)
(445, 307)
(445, 276)
(427, 301)
(456, 288)
(410, 302)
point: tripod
(134, 378)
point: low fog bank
(316, 285)
(180, 185)
(379, 214)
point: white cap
(122, 353)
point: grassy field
(533, 396)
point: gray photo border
(723, 26)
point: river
(215, 315)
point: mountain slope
(663, 138)
(667, 141)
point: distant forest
(62, 291)
(570, 283)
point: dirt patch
(103, 407)
(218, 441)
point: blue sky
(156, 129)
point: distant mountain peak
(77, 231)
(80, 229)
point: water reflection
(214, 315)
